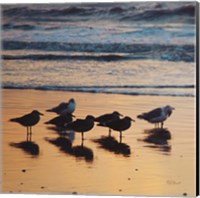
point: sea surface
(132, 48)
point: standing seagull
(103, 119)
(62, 108)
(119, 125)
(158, 115)
(81, 125)
(28, 120)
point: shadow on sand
(111, 144)
(65, 145)
(27, 146)
(158, 138)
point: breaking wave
(114, 11)
(150, 90)
(131, 51)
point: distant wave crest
(125, 89)
(88, 12)
(132, 51)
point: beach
(130, 57)
(147, 170)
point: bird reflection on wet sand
(82, 151)
(158, 139)
(62, 133)
(27, 146)
(65, 146)
(111, 144)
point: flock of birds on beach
(113, 121)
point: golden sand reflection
(145, 171)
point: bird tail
(141, 116)
(47, 122)
(49, 110)
(13, 120)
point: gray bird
(158, 115)
(28, 120)
(62, 108)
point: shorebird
(62, 108)
(108, 117)
(61, 120)
(28, 120)
(103, 119)
(81, 125)
(119, 125)
(158, 115)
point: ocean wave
(18, 27)
(27, 11)
(163, 13)
(131, 51)
(119, 11)
(124, 90)
(66, 57)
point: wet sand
(135, 167)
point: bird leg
(82, 134)
(109, 134)
(30, 134)
(162, 125)
(120, 137)
(82, 143)
(30, 131)
(27, 134)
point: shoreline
(99, 92)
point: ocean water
(134, 48)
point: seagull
(158, 115)
(81, 125)
(28, 120)
(103, 119)
(107, 117)
(61, 120)
(63, 107)
(119, 125)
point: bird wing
(153, 114)
(114, 124)
(54, 120)
(60, 107)
(75, 125)
(102, 118)
(25, 120)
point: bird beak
(120, 114)
(41, 114)
(132, 120)
(173, 108)
(73, 116)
